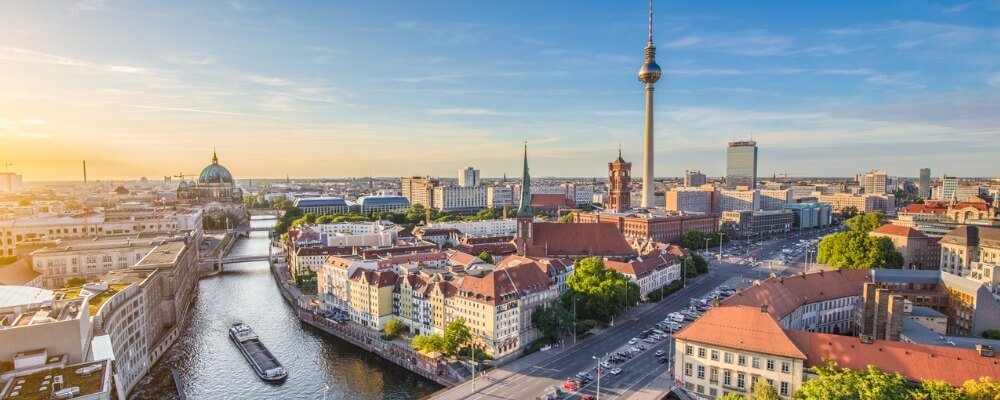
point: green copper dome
(215, 173)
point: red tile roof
(743, 328)
(784, 295)
(558, 239)
(550, 200)
(896, 230)
(379, 278)
(464, 259)
(939, 208)
(914, 361)
(504, 285)
(323, 251)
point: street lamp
(598, 371)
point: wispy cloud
(994, 80)
(446, 78)
(267, 80)
(89, 5)
(749, 43)
(446, 34)
(189, 110)
(36, 57)
(190, 58)
(12, 131)
(469, 112)
(958, 8)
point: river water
(211, 367)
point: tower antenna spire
(650, 22)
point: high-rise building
(468, 177)
(949, 188)
(619, 179)
(774, 199)
(925, 183)
(10, 182)
(739, 200)
(694, 178)
(649, 73)
(873, 182)
(741, 164)
(419, 189)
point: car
(605, 364)
(616, 371)
(570, 385)
(662, 360)
(632, 341)
(587, 397)
(659, 352)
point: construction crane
(181, 175)
(6, 165)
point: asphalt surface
(638, 372)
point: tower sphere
(650, 71)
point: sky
(394, 88)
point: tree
(857, 250)
(553, 321)
(568, 218)
(763, 391)
(848, 212)
(992, 334)
(601, 293)
(24, 202)
(690, 269)
(865, 222)
(429, 344)
(394, 328)
(985, 388)
(936, 390)
(700, 265)
(485, 256)
(845, 384)
(731, 396)
(692, 239)
(456, 334)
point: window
(715, 355)
(701, 352)
(712, 392)
(741, 360)
(741, 380)
(784, 389)
(755, 362)
(713, 374)
(786, 367)
(728, 357)
(770, 365)
(687, 369)
(727, 378)
(689, 350)
(701, 372)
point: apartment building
(775, 199)
(419, 190)
(485, 228)
(695, 200)
(919, 251)
(371, 297)
(966, 246)
(652, 271)
(864, 203)
(459, 199)
(739, 199)
(89, 259)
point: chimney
(985, 350)
(820, 272)
(866, 339)
(715, 302)
(763, 308)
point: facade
(323, 205)
(371, 297)
(970, 306)
(919, 251)
(740, 199)
(924, 189)
(694, 178)
(966, 246)
(949, 188)
(656, 269)
(371, 204)
(459, 199)
(89, 259)
(619, 185)
(33, 319)
(659, 227)
(864, 203)
(499, 196)
(775, 199)
(811, 214)
(973, 209)
(485, 228)
(741, 165)
(468, 177)
(215, 192)
(419, 190)
(307, 260)
(10, 182)
(695, 200)
(757, 224)
(873, 182)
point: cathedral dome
(215, 173)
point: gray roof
(924, 335)
(922, 311)
(12, 296)
(906, 275)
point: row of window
(741, 359)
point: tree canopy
(694, 239)
(456, 335)
(856, 249)
(553, 321)
(393, 328)
(600, 292)
(486, 256)
(871, 384)
(865, 222)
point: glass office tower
(741, 164)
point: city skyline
(369, 90)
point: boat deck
(261, 356)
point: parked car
(659, 352)
(616, 371)
(570, 385)
(632, 341)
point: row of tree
(456, 334)
(694, 239)
(856, 249)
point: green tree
(992, 334)
(763, 391)
(731, 396)
(552, 321)
(456, 335)
(690, 269)
(848, 384)
(394, 328)
(568, 218)
(429, 344)
(693, 239)
(700, 264)
(848, 212)
(985, 388)
(601, 293)
(857, 250)
(936, 390)
(865, 222)
(485, 256)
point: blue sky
(334, 89)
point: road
(638, 372)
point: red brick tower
(619, 180)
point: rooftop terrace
(90, 378)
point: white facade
(10, 182)
(739, 200)
(828, 316)
(689, 200)
(468, 177)
(949, 187)
(87, 259)
(64, 227)
(490, 227)
(499, 196)
(775, 199)
(457, 198)
(873, 182)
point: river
(211, 367)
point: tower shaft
(647, 158)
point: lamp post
(574, 318)
(598, 372)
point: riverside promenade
(395, 351)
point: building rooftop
(17, 273)
(91, 378)
(921, 311)
(320, 202)
(12, 296)
(163, 256)
(896, 230)
(783, 295)
(743, 328)
(99, 243)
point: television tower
(649, 74)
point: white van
(678, 318)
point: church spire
(524, 209)
(215, 158)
